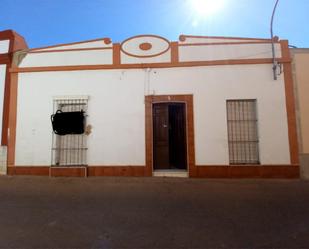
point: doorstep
(170, 173)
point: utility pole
(272, 41)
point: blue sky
(49, 22)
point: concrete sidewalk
(42, 212)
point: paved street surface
(42, 212)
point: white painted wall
(214, 40)
(68, 58)
(4, 46)
(93, 44)
(117, 111)
(227, 52)
(126, 59)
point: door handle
(165, 126)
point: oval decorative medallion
(145, 46)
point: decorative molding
(152, 46)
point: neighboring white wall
(2, 84)
(4, 46)
(3, 160)
(227, 52)
(117, 111)
(68, 58)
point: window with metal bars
(70, 149)
(242, 131)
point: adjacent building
(301, 80)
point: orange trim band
(174, 53)
(116, 55)
(290, 103)
(117, 65)
(12, 120)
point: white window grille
(71, 149)
(242, 132)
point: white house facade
(198, 107)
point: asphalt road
(42, 212)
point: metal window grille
(242, 132)
(69, 150)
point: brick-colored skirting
(263, 171)
(68, 171)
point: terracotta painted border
(68, 171)
(78, 171)
(207, 171)
(117, 64)
(260, 171)
(188, 100)
(12, 120)
(117, 171)
(106, 40)
(290, 103)
(146, 56)
(29, 170)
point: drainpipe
(272, 41)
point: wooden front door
(160, 136)
(169, 136)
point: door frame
(188, 100)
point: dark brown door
(169, 136)
(160, 136)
